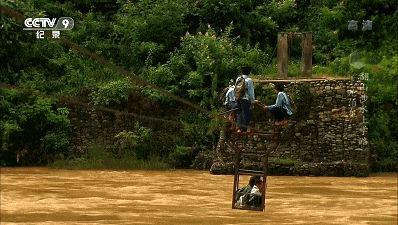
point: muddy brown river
(50, 196)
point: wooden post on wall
(306, 54)
(282, 56)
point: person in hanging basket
(282, 109)
(250, 195)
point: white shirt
(249, 94)
(230, 95)
(255, 190)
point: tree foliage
(32, 129)
(191, 48)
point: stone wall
(98, 126)
(328, 136)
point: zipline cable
(71, 100)
(19, 17)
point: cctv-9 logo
(63, 23)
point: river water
(50, 196)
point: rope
(270, 57)
(71, 100)
(131, 76)
(19, 17)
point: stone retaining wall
(93, 126)
(329, 137)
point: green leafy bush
(112, 93)
(147, 30)
(198, 134)
(382, 112)
(181, 157)
(32, 130)
(203, 64)
(136, 144)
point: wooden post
(282, 55)
(265, 170)
(236, 172)
(306, 56)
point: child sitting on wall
(282, 108)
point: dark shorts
(232, 105)
(279, 113)
(244, 114)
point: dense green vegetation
(191, 48)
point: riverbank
(98, 158)
(110, 164)
(52, 196)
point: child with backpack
(244, 94)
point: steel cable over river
(50, 196)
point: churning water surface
(50, 196)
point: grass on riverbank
(100, 158)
